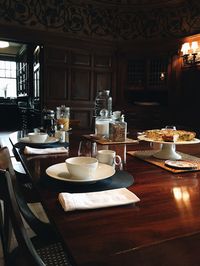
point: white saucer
(59, 171)
(49, 140)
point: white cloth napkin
(29, 150)
(94, 200)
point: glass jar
(62, 117)
(102, 124)
(117, 128)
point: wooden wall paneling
(102, 80)
(81, 59)
(190, 80)
(104, 73)
(56, 55)
(73, 76)
(80, 85)
(104, 61)
(190, 95)
(121, 82)
(56, 83)
(84, 116)
(81, 76)
(56, 74)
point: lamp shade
(185, 48)
(194, 46)
(4, 44)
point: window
(8, 79)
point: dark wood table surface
(162, 229)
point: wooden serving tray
(107, 141)
(147, 156)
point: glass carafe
(48, 121)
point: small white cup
(109, 157)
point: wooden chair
(27, 188)
(42, 228)
(44, 248)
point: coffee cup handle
(117, 160)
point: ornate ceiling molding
(134, 3)
(105, 19)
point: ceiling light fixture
(4, 44)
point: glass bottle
(103, 101)
(110, 107)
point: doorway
(20, 85)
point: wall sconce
(190, 53)
(162, 76)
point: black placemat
(119, 180)
(21, 145)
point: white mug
(109, 157)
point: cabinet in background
(147, 80)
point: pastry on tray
(169, 135)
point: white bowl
(37, 137)
(82, 168)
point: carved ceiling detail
(107, 19)
(135, 3)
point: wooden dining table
(163, 228)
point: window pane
(13, 65)
(13, 73)
(2, 73)
(1, 64)
(7, 65)
(7, 73)
(8, 79)
(11, 88)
